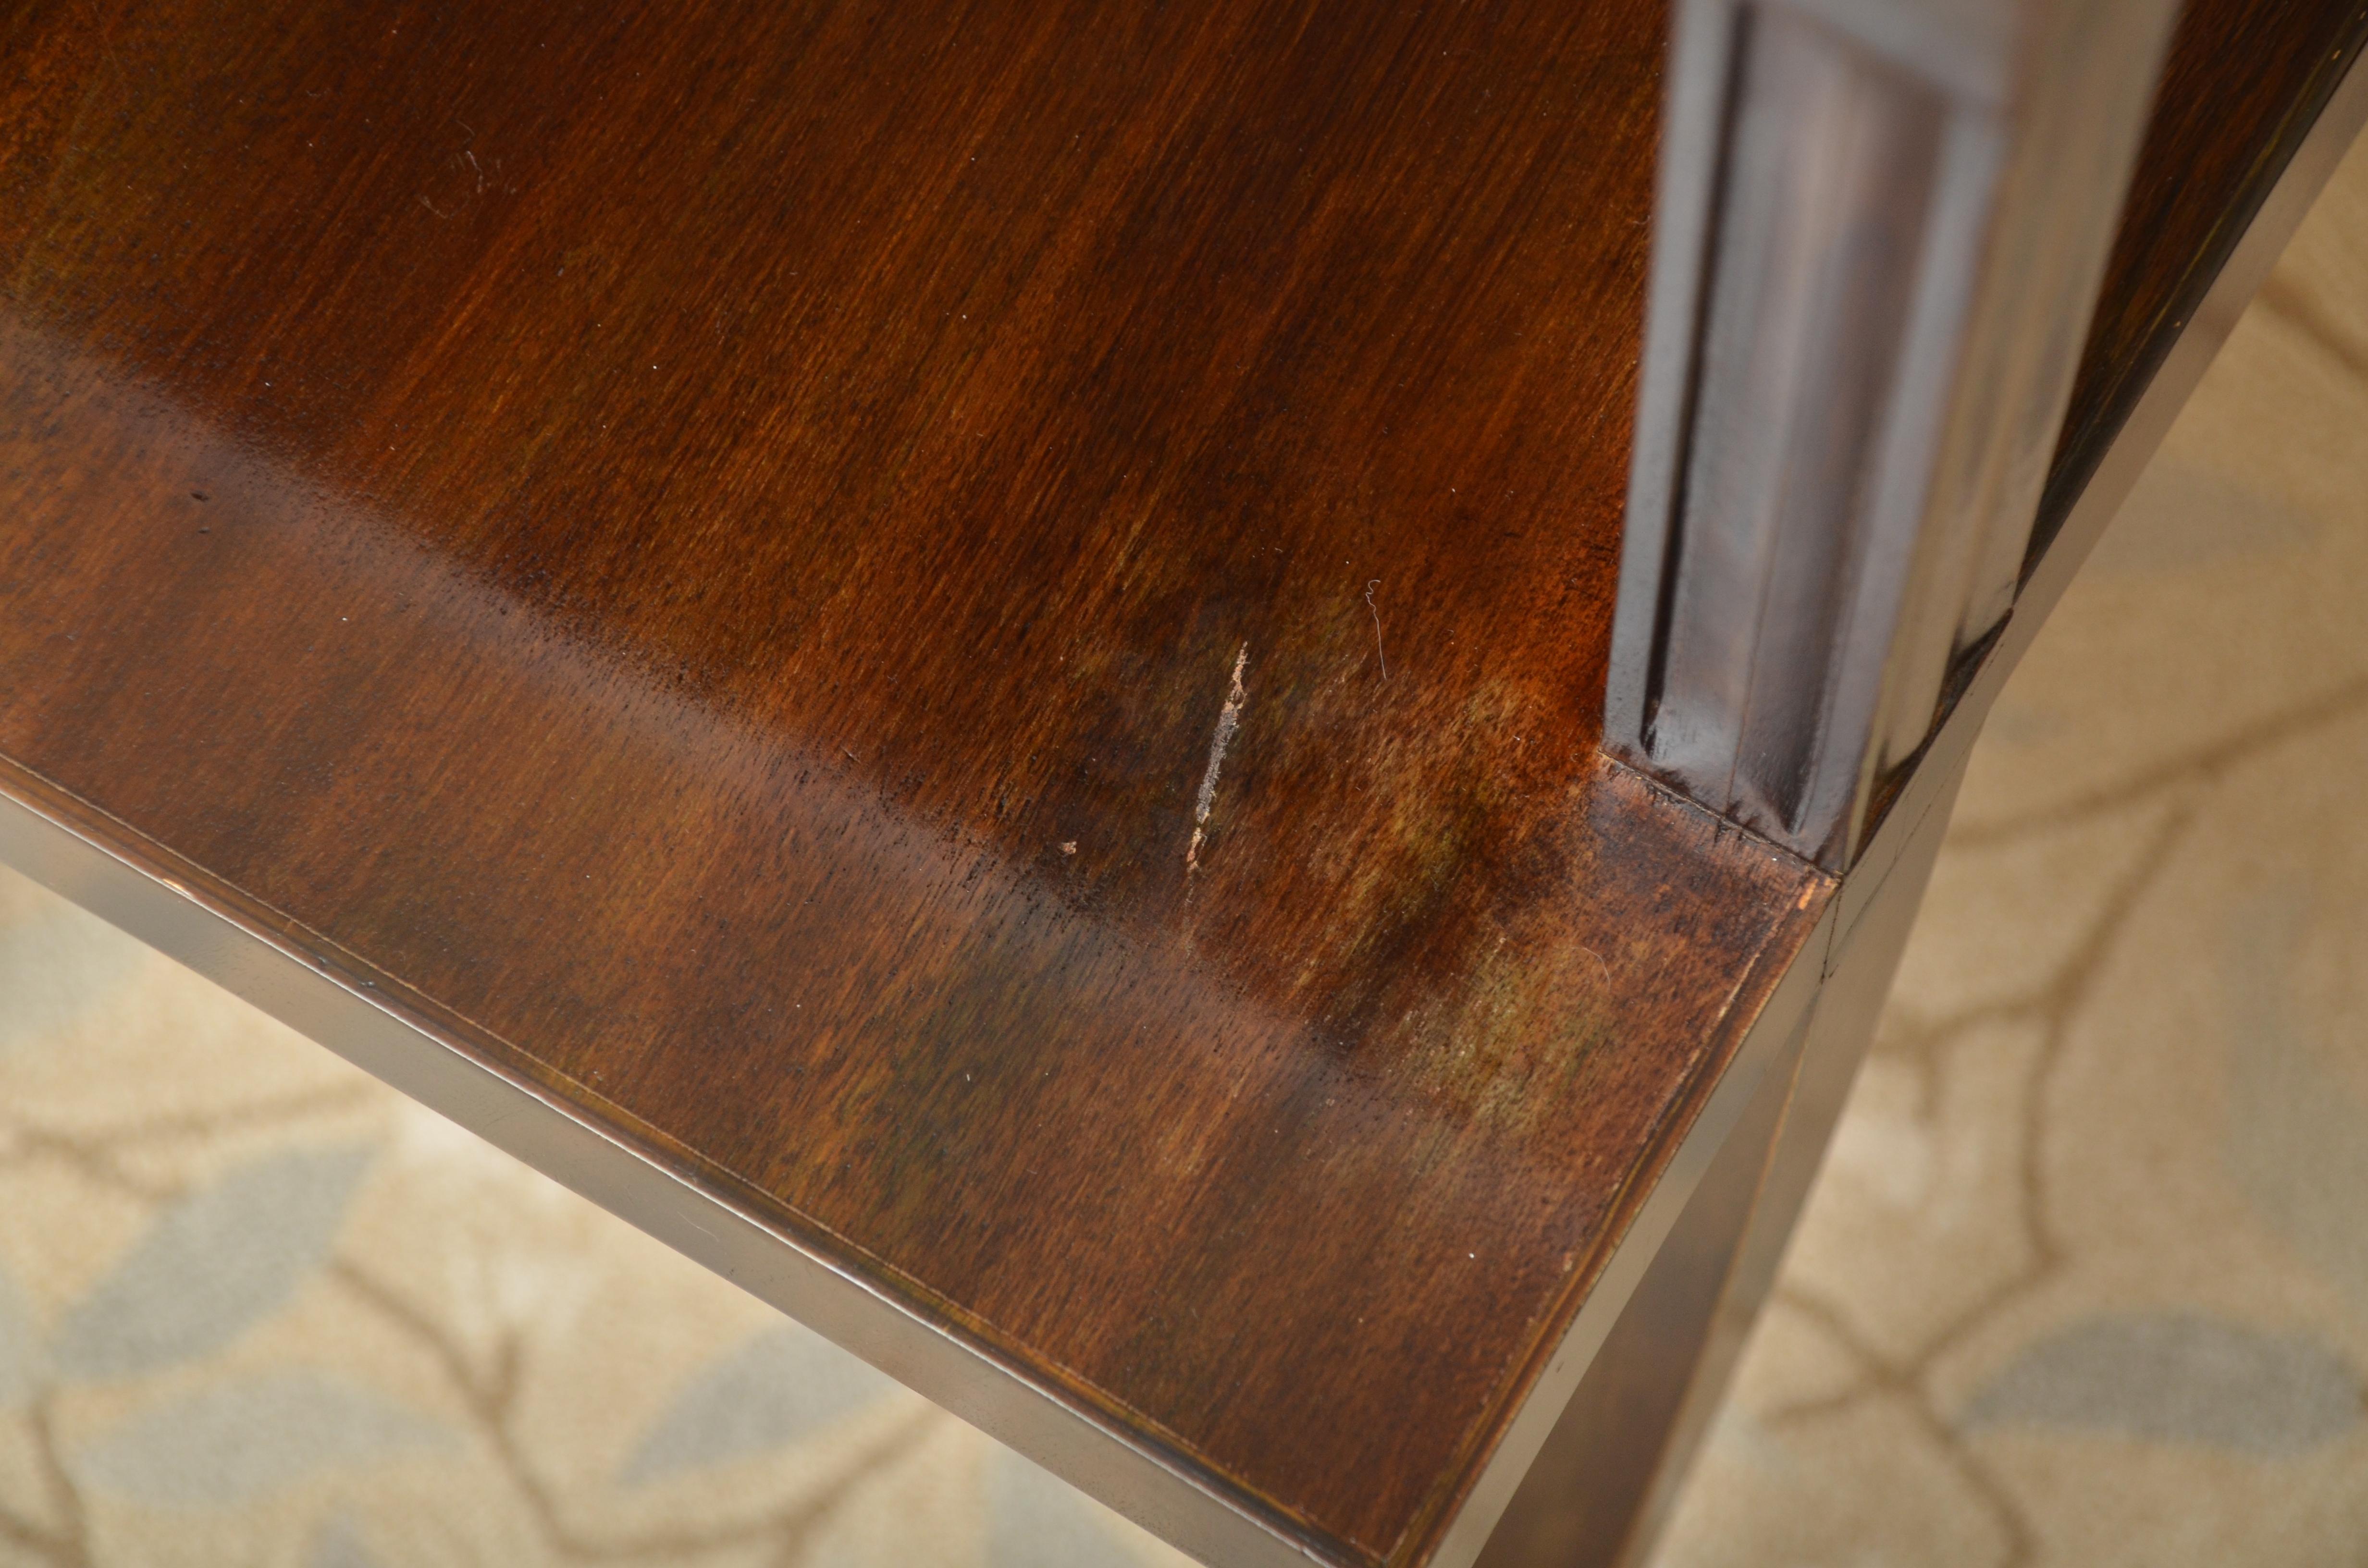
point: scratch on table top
(1229, 718)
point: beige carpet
(2086, 1280)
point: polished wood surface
(706, 552)
(982, 626)
(2244, 84)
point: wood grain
(704, 551)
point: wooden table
(954, 655)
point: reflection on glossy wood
(1578, 1506)
(705, 551)
(706, 554)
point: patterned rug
(2085, 1280)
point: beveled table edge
(113, 871)
(177, 916)
(174, 915)
(1553, 1378)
